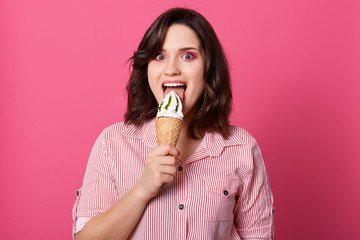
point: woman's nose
(172, 68)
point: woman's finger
(164, 150)
(167, 160)
(165, 169)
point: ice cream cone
(168, 119)
(167, 130)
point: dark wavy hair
(215, 103)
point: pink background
(295, 75)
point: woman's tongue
(180, 91)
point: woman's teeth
(174, 85)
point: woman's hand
(160, 169)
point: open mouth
(178, 87)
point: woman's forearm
(117, 222)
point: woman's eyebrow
(189, 48)
(183, 49)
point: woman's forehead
(180, 37)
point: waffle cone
(167, 130)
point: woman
(211, 185)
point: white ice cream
(171, 106)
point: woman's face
(179, 67)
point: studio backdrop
(295, 73)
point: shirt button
(226, 192)
(77, 193)
(181, 206)
(180, 168)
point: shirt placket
(182, 203)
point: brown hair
(215, 103)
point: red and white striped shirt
(220, 192)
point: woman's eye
(188, 56)
(160, 57)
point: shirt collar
(146, 133)
(214, 142)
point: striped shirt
(220, 192)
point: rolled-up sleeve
(254, 208)
(98, 192)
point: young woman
(211, 185)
